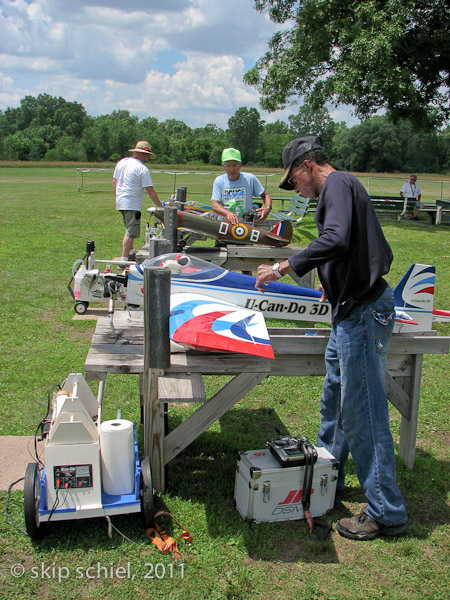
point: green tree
(375, 54)
(215, 156)
(310, 121)
(67, 148)
(201, 149)
(18, 146)
(123, 133)
(274, 137)
(378, 146)
(244, 131)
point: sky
(169, 59)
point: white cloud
(110, 55)
(202, 90)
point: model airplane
(271, 233)
(414, 295)
(196, 321)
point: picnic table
(442, 207)
(297, 353)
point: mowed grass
(45, 226)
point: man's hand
(231, 218)
(264, 276)
(264, 213)
(323, 297)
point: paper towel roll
(117, 456)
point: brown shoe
(362, 527)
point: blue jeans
(354, 407)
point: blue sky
(170, 59)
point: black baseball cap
(296, 149)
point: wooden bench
(431, 209)
(392, 205)
(296, 210)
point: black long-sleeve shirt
(351, 253)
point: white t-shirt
(237, 196)
(410, 190)
(132, 179)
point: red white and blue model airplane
(219, 310)
(414, 295)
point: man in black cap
(351, 255)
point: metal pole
(181, 194)
(170, 226)
(156, 360)
(156, 317)
(158, 246)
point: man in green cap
(233, 192)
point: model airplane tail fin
(283, 231)
(414, 295)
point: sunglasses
(292, 180)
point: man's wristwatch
(275, 270)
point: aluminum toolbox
(266, 491)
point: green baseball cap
(231, 154)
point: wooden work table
(296, 354)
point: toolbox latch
(324, 485)
(266, 491)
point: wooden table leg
(408, 427)
(209, 412)
(154, 428)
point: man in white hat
(131, 180)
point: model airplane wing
(206, 323)
(441, 315)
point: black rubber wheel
(32, 500)
(147, 496)
(81, 307)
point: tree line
(53, 129)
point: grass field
(45, 225)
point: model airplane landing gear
(81, 307)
